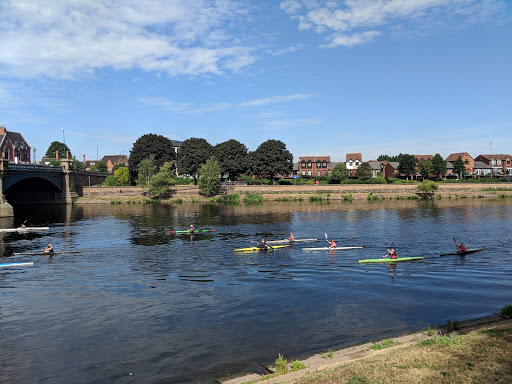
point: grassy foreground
(481, 356)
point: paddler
(391, 253)
(191, 229)
(48, 249)
(262, 244)
(461, 247)
(291, 238)
(332, 244)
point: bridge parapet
(34, 167)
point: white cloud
(352, 22)
(69, 39)
(274, 99)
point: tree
(117, 166)
(209, 180)
(147, 145)
(364, 172)
(109, 181)
(339, 172)
(270, 159)
(78, 164)
(458, 167)
(54, 163)
(122, 176)
(161, 182)
(101, 166)
(407, 164)
(387, 158)
(193, 153)
(438, 165)
(425, 168)
(147, 169)
(232, 158)
(57, 146)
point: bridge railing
(34, 167)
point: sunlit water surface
(142, 306)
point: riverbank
(479, 351)
(322, 192)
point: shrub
(110, 181)
(427, 186)
(352, 181)
(234, 198)
(379, 180)
(506, 311)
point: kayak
(195, 231)
(388, 260)
(5, 265)
(45, 253)
(260, 249)
(330, 249)
(26, 229)
(286, 241)
(462, 252)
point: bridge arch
(32, 189)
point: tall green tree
(122, 176)
(438, 165)
(232, 157)
(57, 146)
(147, 169)
(150, 144)
(102, 166)
(406, 165)
(78, 164)
(162, 181)
(193, 153)
(209, 180)
(458, 167)
(364, 172)
(425, 168)
(270, 159)
(339, 172)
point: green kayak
(259, 249)
(388, 260)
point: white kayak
(329, 249)
(5, 265)
(25, 229)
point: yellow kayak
(260, 249)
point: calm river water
(142, 306)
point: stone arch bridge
(36, 184)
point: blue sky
(325, 77)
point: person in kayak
(48, 249)
(391, 253)
(291, 238)
(191, 229)
(262, 244)
(461, 248)
(332, 244)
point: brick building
(14, 147)
(353, 161)
(499, 164)
(469, 162)
(311, 166)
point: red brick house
(14, 147)
(311, 166)
(469, 162)
(111, 161)
(500, 164)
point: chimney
(3, 131)
(56, 155)
(84, 159)
(67, 155)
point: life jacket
(393, 255)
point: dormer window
(310, 164)
(350, 163)
(318, 164)
(324, 164)
(303, 164)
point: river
(139, 305)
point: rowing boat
(462, 252)
(329, 249)
(5, 265)
(389, 260)
(45, 253)
(260, 249)
(286, 241)
(195, 231)
(25, 229)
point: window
(310, 164)
(18, 155)
(303, 165)
(319, 173)
(508, 162)
(325, 173)
(6, 153)
(350, 163)
(309, 173)
(318, 164)
(356, 163)
(303, 173)
(25, 157)
(324, 164)
(466, 161)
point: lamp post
(34, 150)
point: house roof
(115, 159)
(375, 164)
(481, 165)
(354, 156)
(17, 140)
(423, 157)
(499, 156)
(314, 159)
(455, 156)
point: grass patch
(233, 198)
(315, 198)
(442, 341)
(385, 344)
(328, 355)
(253, 198)
(347, 197)
(506, 311)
